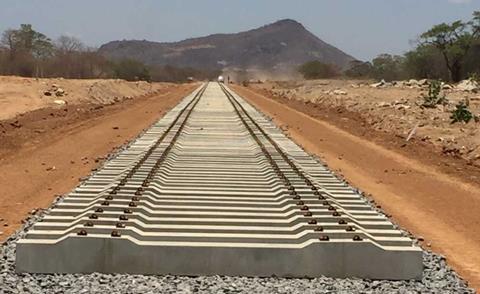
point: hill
(281, 45)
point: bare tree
(68, 44)
(9, 41)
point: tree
(26, 52)
(387, 67)
(28, 49)
(425, 62)
(173, 74)
(359, 69)
(131, 70)
(472, 60)
(68, 61)
(475, 23)
(67, 44)
(9, 42)
(317, 70)
(33, 42)
(454, 42)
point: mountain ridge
(280, 45)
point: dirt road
(36, 166)
(441, 208)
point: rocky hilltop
(283, 44)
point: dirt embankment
(46, 151)
(435, 196)
(393, 110)
(20, 95)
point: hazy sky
(362, 28)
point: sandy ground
(422, 190)
(50, 149)
(19, 95)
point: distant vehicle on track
(221, 79)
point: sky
(361, 28)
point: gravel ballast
(438, 277)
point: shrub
(435, 96)
(359, 69)
(317, 70)
(131, 70)
(461, 113)
(387, 67)
(474, 77)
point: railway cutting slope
(214, 188)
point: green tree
(359, 69)
(317, 70)
(475, 23)
(387, 67)
(24, 45)
(472, 60)
(425, 62)
(27, 40)
(131, 70)
(453, 41)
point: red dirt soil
(431, 195)
(45, 152)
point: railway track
(214, 188)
